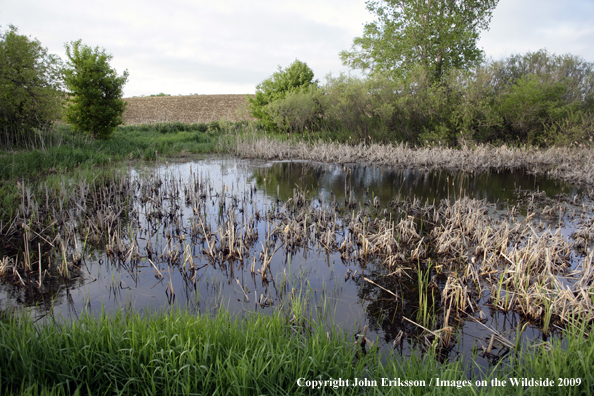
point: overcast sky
(229, 46)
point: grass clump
(180, 353)
(175, 353)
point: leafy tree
(439, 35)
(298, 77)
(96, 91)
(30, 82)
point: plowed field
(187, 109)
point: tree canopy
(436, 35)
(30, 86)
(96, 90)
(298, 77)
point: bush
(520, 98)
(360, 107)
(298, 77)
(476, 117)
(407, 110)
(30, 87)
(298, 111)
(577, 129)
(530, 105)
(215, 126)
(96, 89)
(424, 110)
(573, 71)
(170, 127)
(536, 98)
(201, 127)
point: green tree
(438, 35)
(30, 83)
(96, 104)
(298, 77)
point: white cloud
(559, 26)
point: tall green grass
(66, 149)
(181, 353)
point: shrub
(298, 111)
(361, 107)
(536, 98)
(96, 89)
(523, 99)
(424, 109)
(200, 127)
(215, 126)
(295, 78)
(576, 129)
(520, 98)
(531, 104)
(476, 117)
(573, 71)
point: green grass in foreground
(180, 353)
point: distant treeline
(537, 99)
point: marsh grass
(61, 149)
(575, 165)
(41, 139)
(181, 353)
(68, 149)
(476, 253)
(472, 252)
(64, 153)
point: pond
(406, 259)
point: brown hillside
(187, 109)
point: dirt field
(186, 109)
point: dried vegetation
(574, 165)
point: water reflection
(166, 259)
(365, 182)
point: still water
(351, 294)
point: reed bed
(575, 165)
